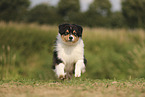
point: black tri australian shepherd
(68, 56)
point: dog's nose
(70, 37)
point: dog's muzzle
(71, 38)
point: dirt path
(15, 89)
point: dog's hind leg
(69, 75)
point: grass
(111, 53)
(115, 63)
(73, 88)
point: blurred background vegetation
(99, 13)
(114, 41)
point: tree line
(99, 13)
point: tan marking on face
(74, 32)
(67, 31)
(76, 38)
(65, 38)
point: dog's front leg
(59, 69)
(79, 67)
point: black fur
(70, 27)
(85, 61)
(56, 60)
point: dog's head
(70, 33)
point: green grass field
(116, 63)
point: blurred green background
(98, 14)
(26, 52)
(114, 41)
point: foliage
(68, 9)
(13, 10)
(99, 13)
(117, 20)
(101, 8)
(43, 14)
(133, 11)
(111, 54)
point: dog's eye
(75, 34)
(66, 33)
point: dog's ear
(62, 28)
(80, 30)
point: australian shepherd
(68, 55)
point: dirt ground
(15, 89)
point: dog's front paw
(62, 76)
(78, 74)
(59, 69)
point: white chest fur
(70, 54)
